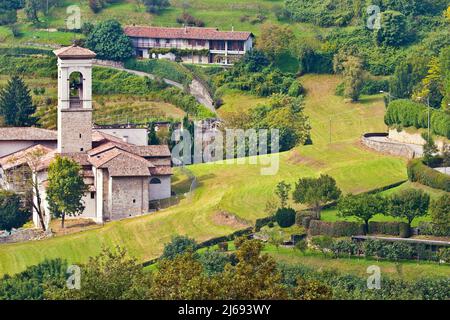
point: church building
(124, 179)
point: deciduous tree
(363, 207)
(65, 189)
(409, 204)
(316, 192)
(109, 41)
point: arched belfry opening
(76, 82)
(74, 99)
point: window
(155, 181)
(92, 195)
(134, 200)
(81, 149)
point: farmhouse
(123, 178)
(190, 44)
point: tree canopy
(65, 189)
(109, 41)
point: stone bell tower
(74, 99)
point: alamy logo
(374, 280)
(374, 19)
(74, 280)
(73, 21)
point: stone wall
(413, 138)
(387, 147)
(74, 130)
(108, 63)
(21, 235)
(129, 197)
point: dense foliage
(352, 287)
(109, 42)
(255, 74)
(12, 214)
(407, 113)
(66, 188)
(316, 192)
(285, 217)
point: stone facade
(129, 197)
(74, 130)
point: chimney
(232, 28)
(185, 28)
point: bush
(12, 215)
(419, 172)
(296, 89)
(335, 229)
(412, 114)
(397, 251)
(389, 228)
(285, 217)
(178, 245)
(214, 261)
(374, 86)
(324, 243)
(344, 248)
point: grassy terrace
(238, 189)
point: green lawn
(238, 189)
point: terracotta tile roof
(192, 33)
(154, 151)
(74, 52)
(125, 164)
(27, 134)
(20, 157)
(161, 171)
(101, 137)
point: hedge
(335, 229)
(419, 172)
(389, 228)
(426, 228)
(412, 114)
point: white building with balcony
(190, 44)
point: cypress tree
(16, 105)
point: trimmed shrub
(178, 245)
(419, 172)
(285, 217)
(389, 228)
(412, 114)
(335, 229)
(427, 228)
(404, 230)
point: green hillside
(237, 189)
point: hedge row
(412, 114)
(419, 172)
(427, 228)
(335, 229)
(390, 228)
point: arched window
(76, 89)
(155, 181)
